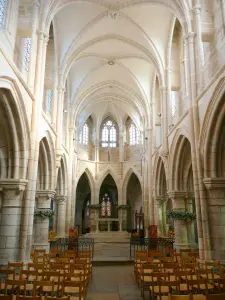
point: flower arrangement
(180, 215)
(44, 213)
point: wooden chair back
(15, 286)
(8, 273)
(39, 287)
(18, 297)
(172, 285)
(197, 285)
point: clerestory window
(134, 134)
(84, 135)
(109, 134)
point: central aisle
(113, 283)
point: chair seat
(72, 290)
(199, 297)
(183, 287)
(29, 287)
(76, 298)
(164, 289)
(162, 298)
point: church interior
(112, 149)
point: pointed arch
(160, 177)
(105, 174)
(212, 139)
(179, 159)
(88, 173)
(62, 185)
(46, 164)
(126, 181)
(14, 134)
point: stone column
(93, 216)
(61, 220)
(180, 226)
(216, 209)
(11, 216)
(160, 202)
(41, 227)
(33, 47)
(199, 44)
(190, 223)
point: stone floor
(113, 283)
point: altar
(108, 224)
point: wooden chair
(220, 285)
(5, 297)
(155, 283)
(43, 287)
(18, 297)
(179, 297)
(170, 267)
(170, 285)
(15, 287)
(57, 298)
(30, 276)
(54, 276)
(215, 297)
(144, 277)
(198, 286)
(7, 274)
(75, 288)
(17, 266)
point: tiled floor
(113, 283)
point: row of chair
(161, 276)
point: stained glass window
(106, 206)
(134, 134)
(109, 134)
(27, 47)
(3, 4)
(84, 135)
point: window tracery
(84, 135)
(134, 134)
(109, 134)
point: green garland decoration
(124, 206)
(44, 213)
(94, 206)
(180, 215)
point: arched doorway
(108, 198)
(134, 200)
(83, 198)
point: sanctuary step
(111, 246)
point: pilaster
(161, 201)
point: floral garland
(180, 215)
(94, 206)
(124, 206)
(44, 213)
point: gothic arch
(46, 164)
(126, 180)
(14, 134)
(114, 176)
(178, 162)
(61, 186)
(160, 177)
(213, 134)
(90, 180)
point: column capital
(60, 199)
(177, 195)
(163, 88)
(45, 194)
(61, 90)
(161, 199)
(43, 36)
(197, 9)
(13, 184)
(12, 191)
(214, 183)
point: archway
(108, 199)
(182, 191)
(83, 198)
(134, 200)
